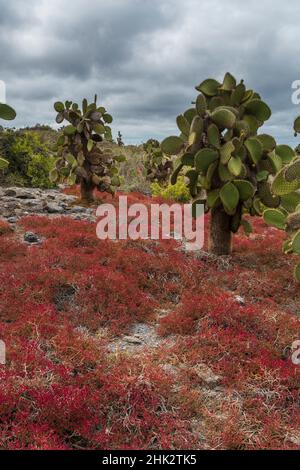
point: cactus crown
(287, 216)
(225, 162)
(81, 149)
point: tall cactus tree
(8, 114)
(82, 149)
(227, 164)
(158, 166)
(286, 186)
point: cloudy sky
(144, 57)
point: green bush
(177, 192)
(30, 159)
(39, 168)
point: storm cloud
(144, 57)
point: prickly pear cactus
(158, 166)
(287, 216)
(8, 114)
(83, 151)
(227, 164)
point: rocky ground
(18, 202)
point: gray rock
(24, 194)
(10, 192)
(77, 209)
(12, 220)
(30, 237)
(132, 340)
(54, 208)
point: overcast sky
(144, 57)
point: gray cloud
(144, 57)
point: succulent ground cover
(215, 375)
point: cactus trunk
(87, 190)
(220, 233)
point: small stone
(207, 375)
(30, 237)
(23, 194)
(10, 193)
(54, 208)
(12, 220)
(78, 209)
(240, 300)
(132, 340)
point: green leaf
(223, 118)
(99, 128)
(285, 152)
(229, 82)
(226, 152)
(268, 142)
(230, 197)
(262, 175)
(275, 218)
(107, 118)
(254, 148)
(209, 87)
(59, 107)
(290, 201)
(176, 173)
(281, 186)
(6, 112)
(72, 179)
(296, 243)
(71, 159)
(213, 197)
(204, 158)
(245, 188)
(90, 145)
(259, 109)
(69, 130)
(297, 124)
(3, 163)
(235, 166)
(297, 273)
(201, 105)
(53, 175)
(183, 125)
(213, 136)
(172, 145)
(188, 159)
(247, 227)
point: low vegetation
(143, 344)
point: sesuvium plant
(158, 166)
(226, 163)
(286, 186)
(83, 151)
(8, 114)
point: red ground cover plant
(217, 377)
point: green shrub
(30, 159)
(177, 192)
(39, 168)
